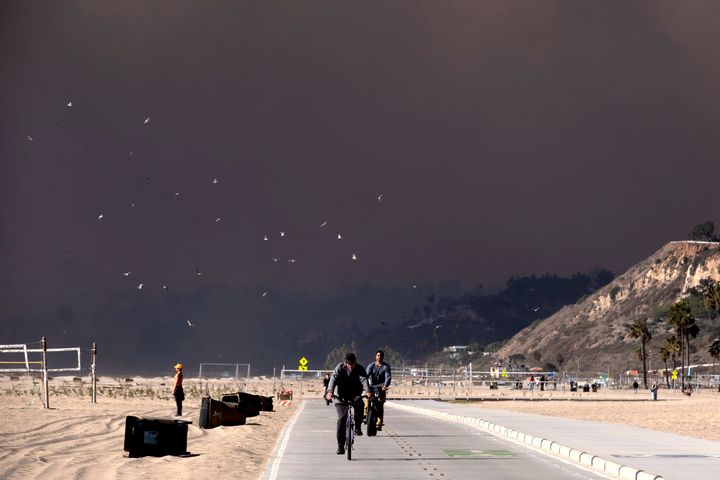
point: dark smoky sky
(507, 138)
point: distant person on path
(177, 390)
(379, 377)
(351, 381)
(635, 386)
(326, 382)
(531, 384)
(653, 391)
(542, 383)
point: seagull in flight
(147, 120)
(190, 324)
(536, 309)
(339, 237)
(30, 138)
(101, 216)
(198, 272)
(354, 257)
(126, 274)
(218, 219)
(265, 238)
(215, 181)
(264, 294)
(140, 286)
(380, 197)
(323, 224)
(282, 234)
(68, 104)
(275, 259)
(292, 260)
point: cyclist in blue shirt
(379, 378)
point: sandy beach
(694, 416)
(76, 439)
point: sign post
(43, 342)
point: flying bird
(354, 257)
(147, 120)
(30, 138)
(339, 237)
(132, 204)
(140, 285)
(383, 324)
(101, 216)
(536, 309)
(190, 324)
(323, 224)
(165, 287)
(275, 259)
(380, 197)
(68, 104)
(292, 260)
(215, 181)
(218, 219)
(265, 238)
(177, 194)
(264, 294)
(282, 234)
(126, 274)
(198, 272)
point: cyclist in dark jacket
(379, 378)
(350, 379)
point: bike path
(411, 446)
(671, 456)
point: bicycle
(349, 423)
(373, 412)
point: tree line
(683, 324)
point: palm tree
(711, 296)
(670, 350)
(714, 351)
(680, 317)
(639, 330)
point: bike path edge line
(271, 471)
(550, 447)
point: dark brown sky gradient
(507, 138)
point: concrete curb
(550, 447)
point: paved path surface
(674, 457)
(411, 447)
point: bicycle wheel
(349, 437)
(372, 420)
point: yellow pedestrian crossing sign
(302, 367)
(674, 374)
(504, 373)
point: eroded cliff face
(595, 326)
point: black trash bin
(594, 387)
(155, 437)
(573, 387)
(586, 388)
(214, 413)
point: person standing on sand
(177, 390)
(653, 391)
